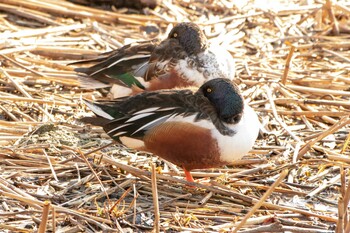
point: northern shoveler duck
(183, 59)
(194, 129)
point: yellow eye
(175, 35)
(209, 90)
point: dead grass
(293, 65)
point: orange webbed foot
(189, 178)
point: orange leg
(188, 175)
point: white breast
(234, 148)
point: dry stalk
(287, 66)
(44, 218)
(155, 199)
(257, 205)
(341, 123)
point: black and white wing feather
(134, 116)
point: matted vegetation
(293, 66)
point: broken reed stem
(50, 164)
(206, 198)
(89, 218)
(257, 205)
(44, 31)
(342, 7)
(39, 101)
(163, 204)
(320, 91)
(22, 66)
(53, 212)
(346, 204)
(293, 171)
(287, 93)
(74, 10)
(30, 14)
(340, 223)
(26, 94)
(134, 204)
(83, 157)
(329, 8)
(278, 119)
(14, 191)
(13, 117)
(341, 123)
(287, 67)
(312, 101)
(323, 186)
(119, 200)
(346, 143)
(155, 199)
(347, 229)
(342, 209)
(337, 55)
(307, 113)
(44, 218)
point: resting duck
(194, 129)
(183, 59)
